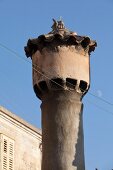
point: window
(6, 153)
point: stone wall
(27, 141)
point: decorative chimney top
(58, 27)
(59, 36)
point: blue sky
(21, 20)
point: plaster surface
(65, 62)
(27, 139)
(62, 135)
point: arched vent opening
(83, 86)
(85, 42)
(71, 83)
(43, 85)
(57, 83)
(37, 91)
(72, 40)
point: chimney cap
(58, 27)
(62, 36)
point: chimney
(61, 77)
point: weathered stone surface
(27, 139)
(50, 40)
(62, 135)
(66, 63)
(59, 36)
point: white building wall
(27, 141)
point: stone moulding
(57, 39)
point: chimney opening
(58, 36)
(57, 83)
(71, 83)
(43, 85)
(71, 40)
(85, 42)
(37, 91)
(83, 85)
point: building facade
(20, 143)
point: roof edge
(20, 120)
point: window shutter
(11, 155)
(5, 146)
(7, 153)
(4, 162)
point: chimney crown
(59, 36)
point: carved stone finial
(58, 25)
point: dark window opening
(71, 40)
(85, 42)
(58, 36)
(83, 85)
(37, 91)
(43, 85)
(57, 83)
(71, 83)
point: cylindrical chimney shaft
(61, 77)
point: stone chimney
(61, 77)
